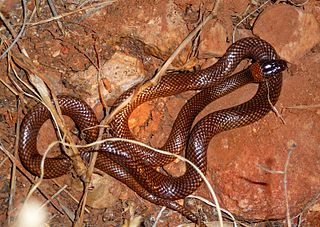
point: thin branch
(54, 196)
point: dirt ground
(148, 32)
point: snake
(134, 164)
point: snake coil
(134, 165)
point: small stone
(176, 168)
(291, 40)
(56, 53)
(105, 192)
(291, 144)
(122, 71)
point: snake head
(263, 70)
(272, 67)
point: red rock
(156, 118)
(176, 168)
(213, 40)
(140, 115)
(291, 40)
(162, 27)
(174, 105)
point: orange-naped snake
(134, 165)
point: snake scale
(133, 164)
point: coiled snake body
(133, 164)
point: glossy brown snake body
(133, 164)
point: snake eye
(273, 67)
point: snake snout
(273, 67)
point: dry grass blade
(9, 87)
(55, 195)
(155, 80)
(298, 4)
(73, 153)
(273, 107)
(307, 208)
(230, 216)
(39, 181)
(19, 88)
(3, 161)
